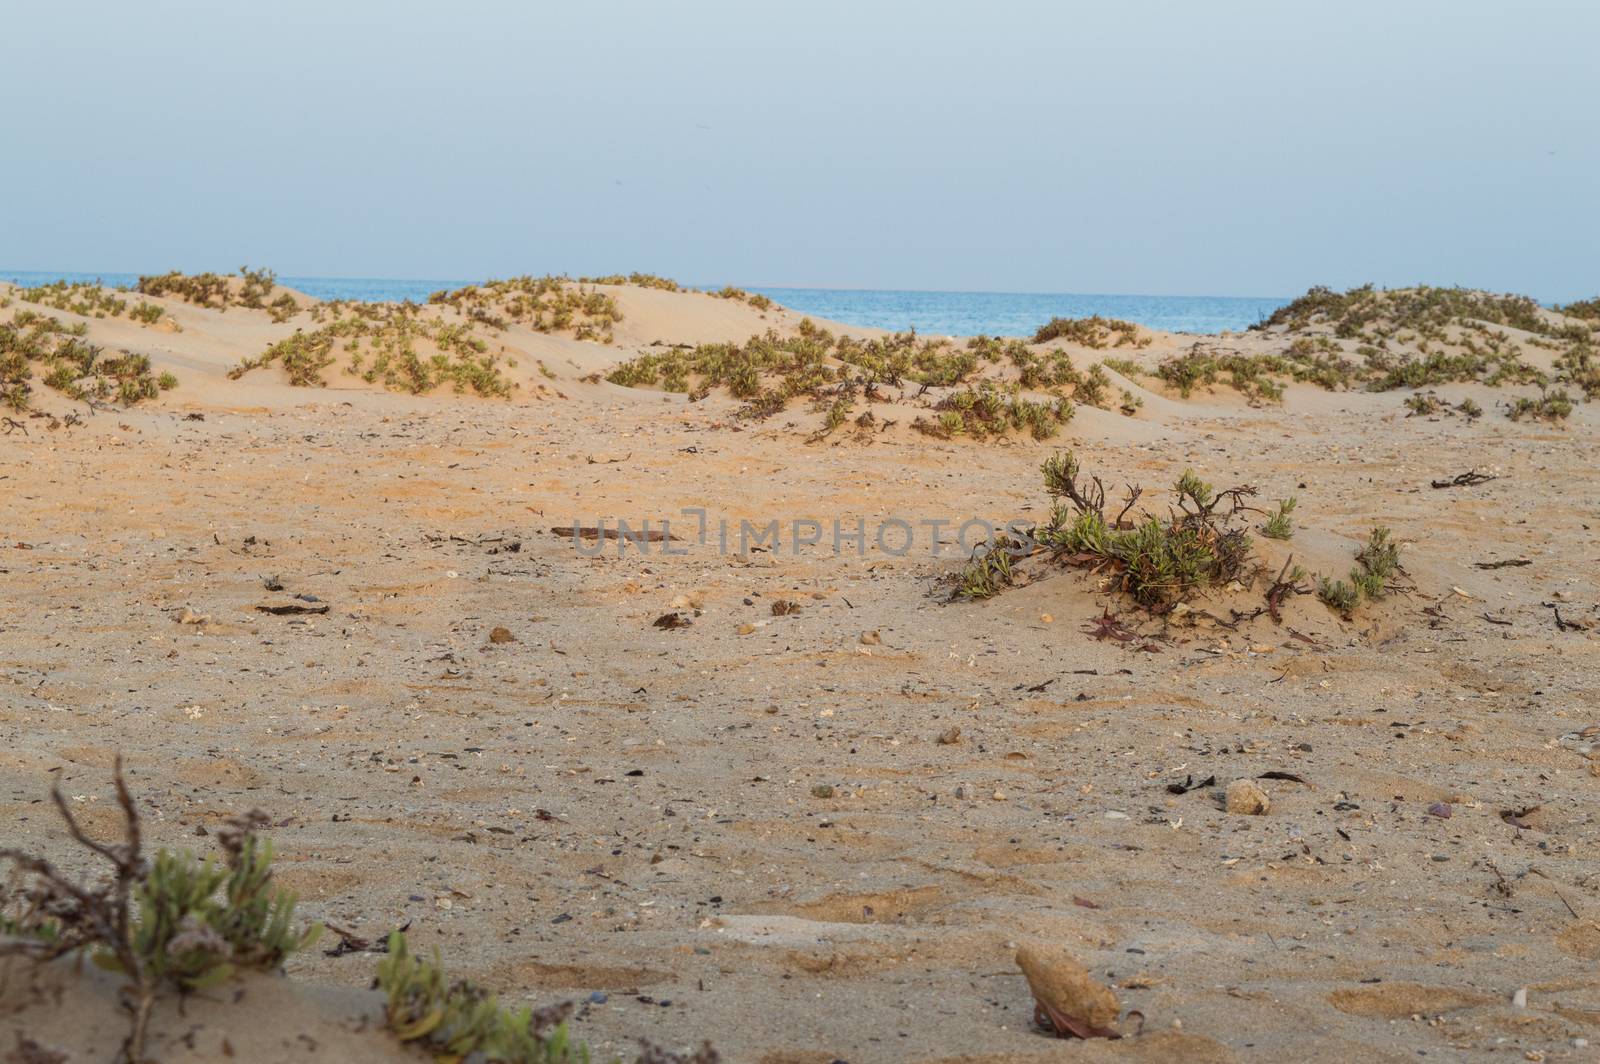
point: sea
(928, 313)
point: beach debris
(822, 790)
(292, 609)
(189, 616)
(672, 621)
(1068, 1002)
(1289, 776)
(1189, 784)
(272, 583)
(785, 607)
(950, 736)
(350, 942)
(1508, 563)
(1465, 480)
(1441, 810)
(1246, 798)
(871, 639)
(1109, 626)
(1517, 818)
(1562, 623)
(501, 634)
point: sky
(1224, 147)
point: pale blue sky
(1159, 146)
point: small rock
(188, 616)
(746, 629)
(950, 736)
(1060, 984)
(1519, 1000)
(870, 639)
(501, 634)
(822, 790)
(1246, 798)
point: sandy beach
(812, 818)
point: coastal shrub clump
(177, 922)
(1377, 565)
(1368, 312)
(1423, 337)
(1095, 332)
(1156, 560)
(249, 288)
(87, 298)
(770, 371)
(1578, 366)
(989, 410)
(389, 343)
(638, 280)
(1160, 561)
(38, 343)
(760, 302)
(459, 1019)
(1553, 405)
(545, 304)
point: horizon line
(100, 274)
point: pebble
(1246, 798)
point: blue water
(930, 313)
(1019, 313)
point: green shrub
(1279, 524)
(388, 344)
(1094, 332)
(545, 304)
(1552, 406)
(177, 922)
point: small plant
(177, 922)
(459, 1019)
(1338, 594)
(1552, 405)
(987, 574)
(146, 313)
(1377, 564)
(1279, 524)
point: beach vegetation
(1280, 522)
(176, 922)
(546, 304)
(393, 344)
(1093, 332)
(1552, 405)
(34, 344)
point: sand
(600, 804)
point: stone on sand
(1246, 798)
(1059, 981)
